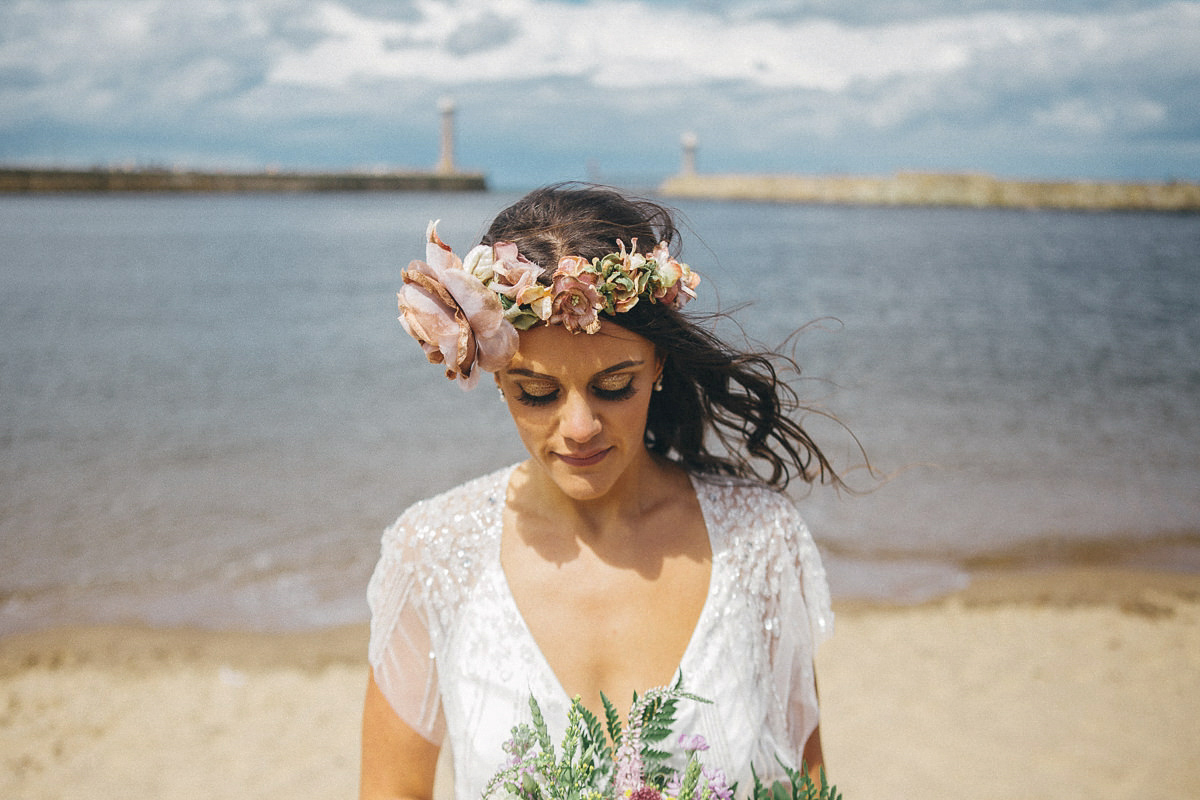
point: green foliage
(613, 720)
(799, 786)
(596, 748)
(539, 727)
(653, 716)
(691, 777)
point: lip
(587, 460)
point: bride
(645, 537)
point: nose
(579, 422)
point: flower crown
(466, 313)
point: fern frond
(596, 749)
(613, 719)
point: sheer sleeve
(805, 619)
(401, 648)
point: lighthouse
(445, 163)
(689, 154)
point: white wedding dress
(452, 654)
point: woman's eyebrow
(528, 373)
(621, 366)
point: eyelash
(623, 393)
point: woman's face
(579, 402)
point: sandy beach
(1065, 684)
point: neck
(646, 483)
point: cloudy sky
(562, 89)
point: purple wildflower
(718, 784)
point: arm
(813, 756)
(811, 604)
(397, 762)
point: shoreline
(1072, 683)
(317, 648)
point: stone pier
(938, 189)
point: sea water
(208, 411)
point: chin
(591, 484)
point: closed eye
(615, 387)
(537, 393)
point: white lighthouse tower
(445, 163)
(689, 154)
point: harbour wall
(44, 181)
(937, 189)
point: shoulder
(747, 505)
(463, 514)
(762, 537)
(758, 529)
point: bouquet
(613, 762)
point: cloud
(1004, 85)
(626, 45)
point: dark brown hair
(708, 386)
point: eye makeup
(615, 387)
(612, 384)
(539, 398)
(608, 387)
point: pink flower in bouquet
(629, 764)
(456, 319)
(645, 793)
(692, 742)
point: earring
(500, 389)
(658, 384)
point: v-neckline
(540, 655)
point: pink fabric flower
(687, 286)
(574, 266)
(457, 320)
(575, 299)
(677, 282)
(682, 287)
(668, 294)
(515, 275)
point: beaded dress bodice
(455, 659)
